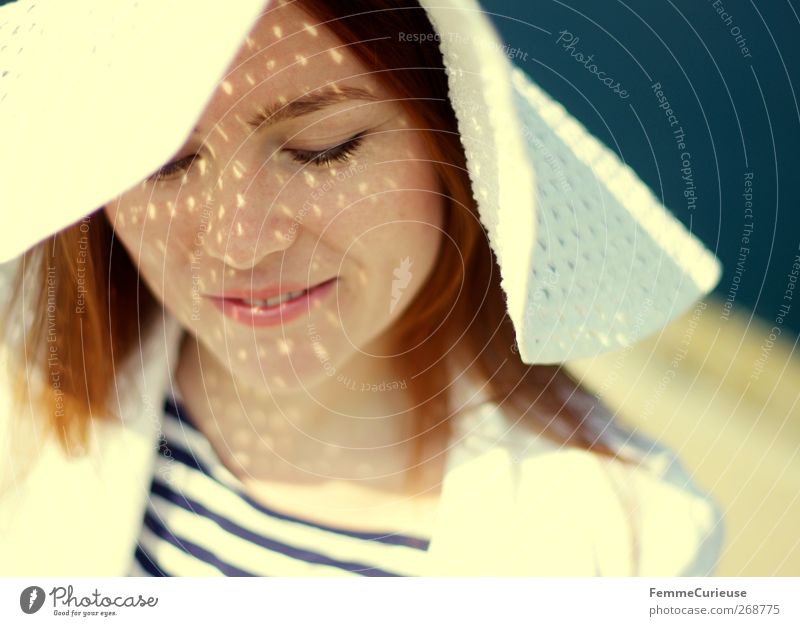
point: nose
(246, 223)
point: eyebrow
(266, 115)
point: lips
(273, 291)
(272, 305)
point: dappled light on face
(336, 56)
(251, 211)
(278, 381)
(284, 345)
(242, 436)
(322, 352)
(316, 210)
(134, 212)
(333, 320)
(221, 132)
(241, 457)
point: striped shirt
(199, 521)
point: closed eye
(338, 153)
(170, 170)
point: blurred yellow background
(728, 403)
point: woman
(328, 283)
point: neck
(346, 417)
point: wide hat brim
(590, 259)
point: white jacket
(512, 503)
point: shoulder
(678, 528)
(649, 518)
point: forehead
(286, 55)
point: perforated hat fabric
(590, 260)
(610, 264)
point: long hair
(457, 322)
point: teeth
(276, 300)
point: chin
(285, 374)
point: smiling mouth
(267, 302)
(275, 310)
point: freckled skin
(268, 218)
(245, 213)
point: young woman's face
(249, 205)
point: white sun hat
(590, 259)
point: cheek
(391, 216)
(157, 243)
(396, 207)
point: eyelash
(322, 158)
(340, 152)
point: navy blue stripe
(176, 409)
(191, 548)
(189, 459)
(270, 544)
(147, 562)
